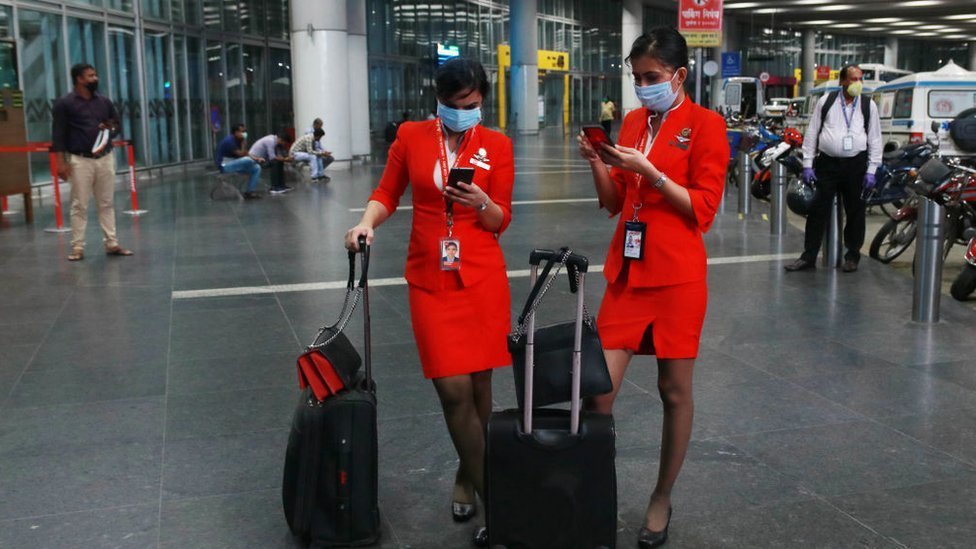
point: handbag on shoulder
(330, 363)
(553, 345)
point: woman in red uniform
(459, 294)
(666, 181)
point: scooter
(792, 140)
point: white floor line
(400, 281)
(514, 203)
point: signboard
(710, 68)
(823, 72)
(764, 77)
(446, 53)
(548, 60)
(700, 21)
(731, 64)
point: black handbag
(553, 345)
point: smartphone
(596, 135)
(459, 175)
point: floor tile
(951, 431)
(229, 333)
(245, 371)
(71, 383)
(252, 519)
(134, 526)
(223, 413)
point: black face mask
(92, 86)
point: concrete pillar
(319, 54)
(972, 55)
(632, 27)
(358, 77)
(525, 66)
(891, 51)
(808, 61)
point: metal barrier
(45, 147)
(834, 251)
(929, 245)
(745, 178)
(777, 202)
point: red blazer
(412, 160)
(691, 148)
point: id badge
(848, 143)
(634, 232)
(450, 254)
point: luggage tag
(450, 254)
(848, 143)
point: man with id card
(841, 153)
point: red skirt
(665, 321)
(462, 330)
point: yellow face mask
(854, 89)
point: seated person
(271, 151)
(232, 157)
(307, 149)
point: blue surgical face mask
(657, 97)
(458, 120)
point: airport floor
(141, 407)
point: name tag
(848, 143)
(634, 232)
(480, 164)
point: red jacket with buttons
(691, 148)
(413, 157)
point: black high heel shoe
(480, 537)
(463, 512)
(649, 539)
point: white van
(910, 104)
(743, 95)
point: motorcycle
(893, 175)
(780, 152)
(965, 282)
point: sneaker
(250, 195)
(281, 190)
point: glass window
(280, 91)
(232, 17)
(121, 5)
(903, 103)
(211, 13)
(45, 78)
(125, 89)
(278, 23)
(255, 101)
(235, 85)
(949, 103)
(160, 95)
(8, 65)
(194, 12)
(253, 17)
(157, 9)
(86, 44)
(6, 22)
(196, 95)
(217, 113)
(182, 106)
(176, 9)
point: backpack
(390, 132)
(831, 98)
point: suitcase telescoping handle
(577, 266)
(364, 284)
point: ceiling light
(961, 16)
(955, 36)
(901, 31)
(919, 3)
(924, 34)
(904, 24)
(768, 10)
(950, 29)
(845, 25)
(884, 20)
(820, 22)
(933, 27)
(835, 7)
(810, 2)
(742, 5)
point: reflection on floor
(137, 413)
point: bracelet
(484, 205)
(660, 181)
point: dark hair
(318, 133)
(846, 69)
(317, 121)
(460, 74)
(284, 135)
(236, 128)
(78, 70)
(663, 43)
(450, 245)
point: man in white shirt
(841, 153)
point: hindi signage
(700, 21)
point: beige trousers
(92, 176)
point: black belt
(103, 152)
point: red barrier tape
(45, 147)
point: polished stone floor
(136, 412)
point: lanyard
(641, 143)
(445, 170)
(850, 119)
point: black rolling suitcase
(329, 489)
(550, 477)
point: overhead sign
(764, 77)
(548, 60)
(731, 64)
(446, 53)
(700, 22)
(823, 72)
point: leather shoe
(648, 539)
(481, 537)
(462, 512)
(849, 266)
(801, 265)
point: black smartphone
(596, 135)
(459, 175)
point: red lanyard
(641, 143)
(445, 170)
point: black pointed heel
(649, 539)
(463, 512)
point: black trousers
(844, 176)
(607, 124)
(277, 169)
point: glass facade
(403, 36)
(179, 71)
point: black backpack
(390, 132)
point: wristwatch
(484, 205)
(660, 181)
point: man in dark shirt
(232, 157)
(84, 125)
